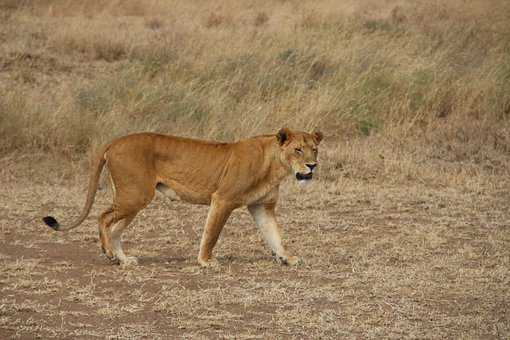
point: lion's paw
(108, 254)
(287, 260)
(207, 263)
(294, 260)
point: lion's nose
(311, 166)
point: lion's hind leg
(127, 203)
(133, 189)
(106, 219)
(116, 241)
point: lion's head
(299, 152)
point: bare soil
(380, 261)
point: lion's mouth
(304, 177)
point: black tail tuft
(51, 222)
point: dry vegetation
(405, 235)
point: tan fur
(225, 176)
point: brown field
(405, 234)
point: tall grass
(419, 73)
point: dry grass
(405, 234)
(381, 261)
(190, 68)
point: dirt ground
(380, 261)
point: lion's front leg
(216, 218)
(264, 216)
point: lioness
(225, 176)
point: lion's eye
(315, 151)
(298, 151)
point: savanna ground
(405, 234)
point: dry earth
(381, 261)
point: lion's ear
(283, 135)
(317, 136)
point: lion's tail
(91, 194)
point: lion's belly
(174, 191)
